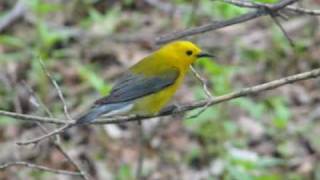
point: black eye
(189, 53)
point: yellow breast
(152, 104)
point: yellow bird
(148, 85)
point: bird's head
(183, 53)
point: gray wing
(133, 86)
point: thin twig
(65, 154)
(284, 32)
(268, 7)
(255, 5)
(38, 167)
(249, 4)
(206, 90)
(220, 24)
(56, 143)
(56, 86)
(32, 118)
(72, 161)
(58, 130)
(202, 81)
(52, 133)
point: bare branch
(38, 167)
(255, 5)
(244, 92)
(206, 90)
(56, 143)
(72, 161)
(202, 81)
(273, 15)
(64, 153)
(221, 24)
(52, 133)
(274, 18)
(248, 4)
(187, 107)
(32, 118)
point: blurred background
(87, 44)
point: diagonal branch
(56, 86)
(206, 90)
(284, 32)
(45, 136)
(39, 102)
(209, 102)
(273, 15)
(187, 107)
(220, 24)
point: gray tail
(98, 111)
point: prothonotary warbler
(148, 85)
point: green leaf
(42, 7)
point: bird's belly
(152, 104)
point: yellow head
(181, 53)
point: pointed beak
(203, 54)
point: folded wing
(134, 86)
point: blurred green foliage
(124, 173)
(214, 127)
(218, 9)
(107, 21)
(7, 121)
(88, 75)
